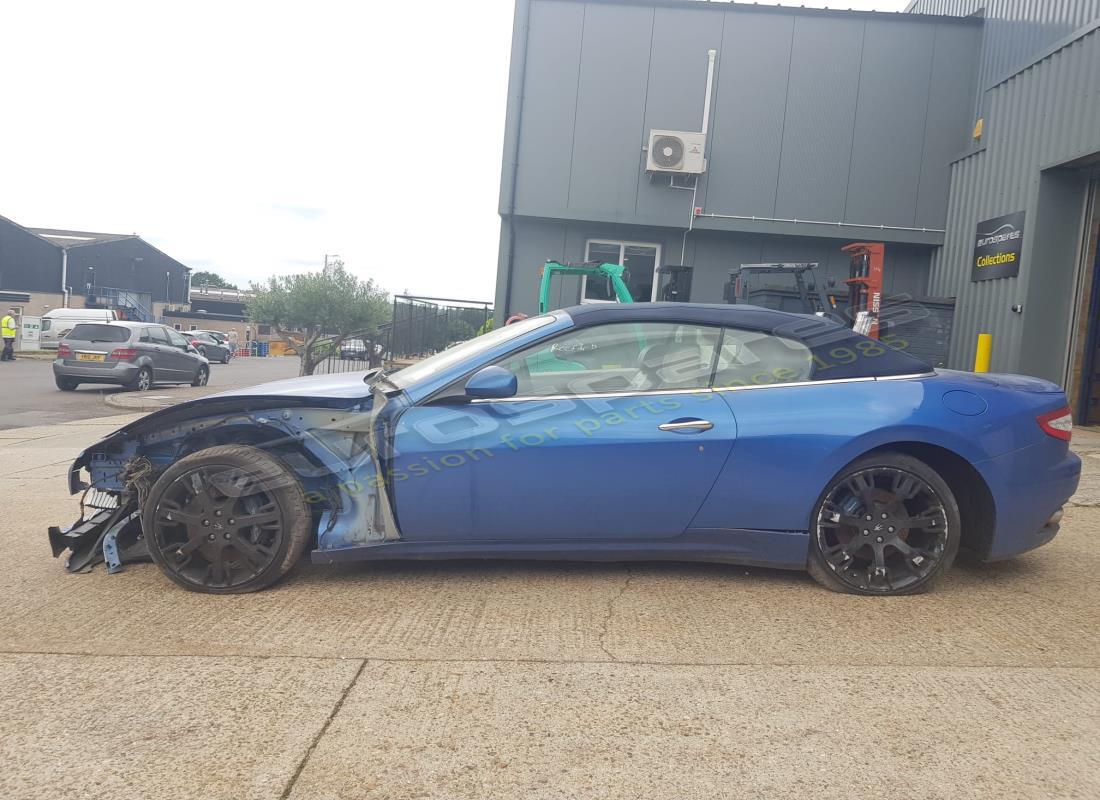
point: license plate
(90, 357)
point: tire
(188, 499)
(856, 542)
(202, 377)
(228, 357)
(202, 352)
(65, 384)
(143, 381)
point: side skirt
(776, 549)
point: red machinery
(865, 285)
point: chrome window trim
(791, 384)
(911, 376)
(651, 392)
(589, 395)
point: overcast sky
(251, 139)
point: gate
(422, 326)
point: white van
(57, 323)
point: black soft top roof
(839, 352)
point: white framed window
(641, 260)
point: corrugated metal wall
(27, 263)
(1015, 30)
(1043, 116)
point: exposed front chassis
(327, 449)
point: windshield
(460, 352)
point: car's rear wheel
(202, 351)
(888, 524)
(202, 377)
(226, 520)
(65, 384)
(143, 381)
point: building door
(641, 260)
(1085, 373)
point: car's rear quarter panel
(793, 440)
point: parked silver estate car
(136, 355)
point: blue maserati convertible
(601, 432)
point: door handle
(686, 425)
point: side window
(621, 357)
(157, 335)
(175, 339)
(751, 358)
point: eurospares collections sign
(997, 247)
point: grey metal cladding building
(826, 127)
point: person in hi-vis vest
(8, 329)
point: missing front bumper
(110, 535)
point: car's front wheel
(225, 520)
(888, 524)
(202, 377)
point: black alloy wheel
(887, 525)
(227, 519)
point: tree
(323, 310)
(206, 278)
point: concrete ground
(40, 402)
(539, 680)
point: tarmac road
(30, 396)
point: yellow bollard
(984, 352)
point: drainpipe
(65, 276)
(520, 24)
(704, 128)
(710, 85)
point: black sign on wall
(997, 247)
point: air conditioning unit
(676, 151)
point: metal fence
(358, 352)
(422, 326)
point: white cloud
(252, 138)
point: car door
(789, 427)
(160, 351)
(613, 434)
(182, 363)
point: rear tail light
(124, 353)
(64, 351)
(1058, 424)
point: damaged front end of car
(326, 444)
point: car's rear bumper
(1030, 486)
(121, 373)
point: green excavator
(613, 273)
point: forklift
(865, 285)
(674, 284)
(811, 294)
